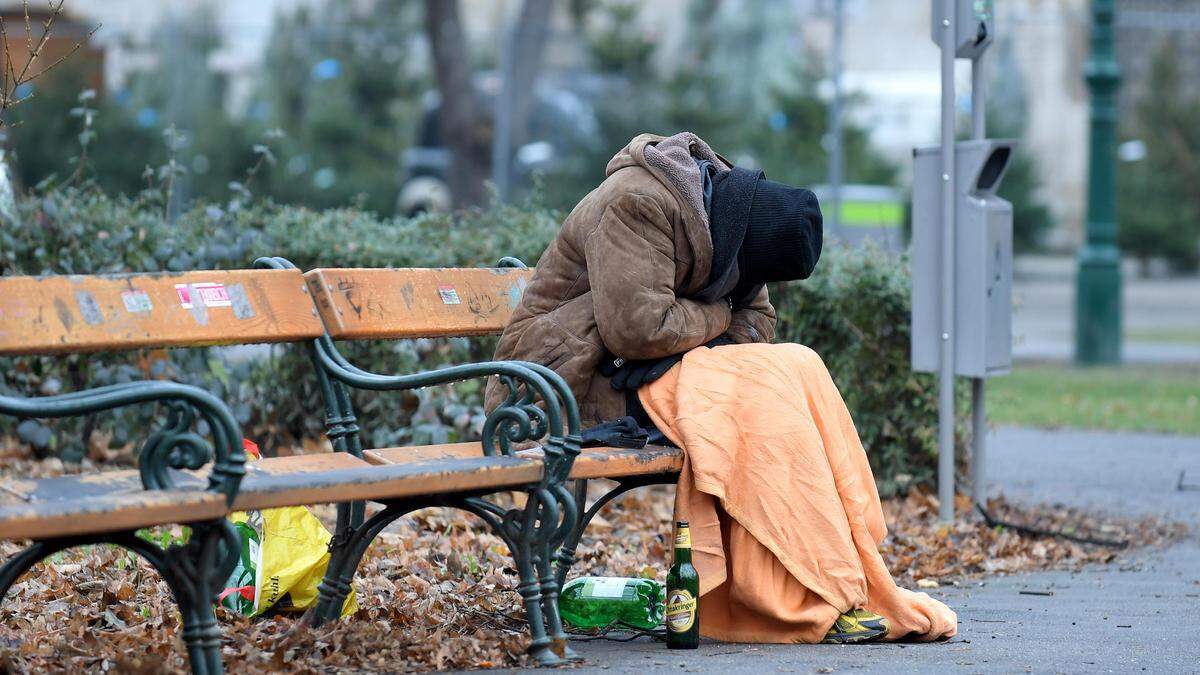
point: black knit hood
(762, 231)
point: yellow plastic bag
(284, 555)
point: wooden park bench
(275, 304)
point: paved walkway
(1138, 614)
(1123, 473)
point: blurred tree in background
(45, 137)
(1158, 195)
(127, 126)
(343, 89)
(465, 129)
(189, 101)
(788, 143)
(1032, 219)
(771, 116)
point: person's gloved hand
(632, 375)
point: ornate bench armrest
(174, 447)
(517, 419)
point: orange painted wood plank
(323, 461)
(56, 314)
(360, 304)
(618, 462)
(591, 463)
(423, 452)
(261, 489)
(113, 512)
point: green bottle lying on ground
(598, 602)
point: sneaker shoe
(856, 627)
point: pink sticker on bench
(210, 294)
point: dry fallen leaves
(437, 591)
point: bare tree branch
(12, 80)
(34, 52)
(8, 66)
(28, 27)
(74, 48)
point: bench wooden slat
(591, 463)
(57, 314)
(621, 462)
(76, 486)
(405, 455)
(108, 512)
(360, 304)
(322, 461)
(287, 481)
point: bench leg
(194, 571)
(518, 529)
(525, 535)
(350, 518)
(566, 554)
(346, 553)
(547, 570)
(200, 567)
(528, 539)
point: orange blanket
(785, 517)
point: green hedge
(854, 311)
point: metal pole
(978, 99)
(978, 411)
(837, 150)
(1098, 284)
(946, 372)
(978, 442)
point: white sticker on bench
(137, 301)
(449, 295)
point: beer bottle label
(681, 611)
(683, 538)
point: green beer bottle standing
(683, 594)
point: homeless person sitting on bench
(651, 303)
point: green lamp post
(1098, 284)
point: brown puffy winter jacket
(620, 274)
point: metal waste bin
(984, 267)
